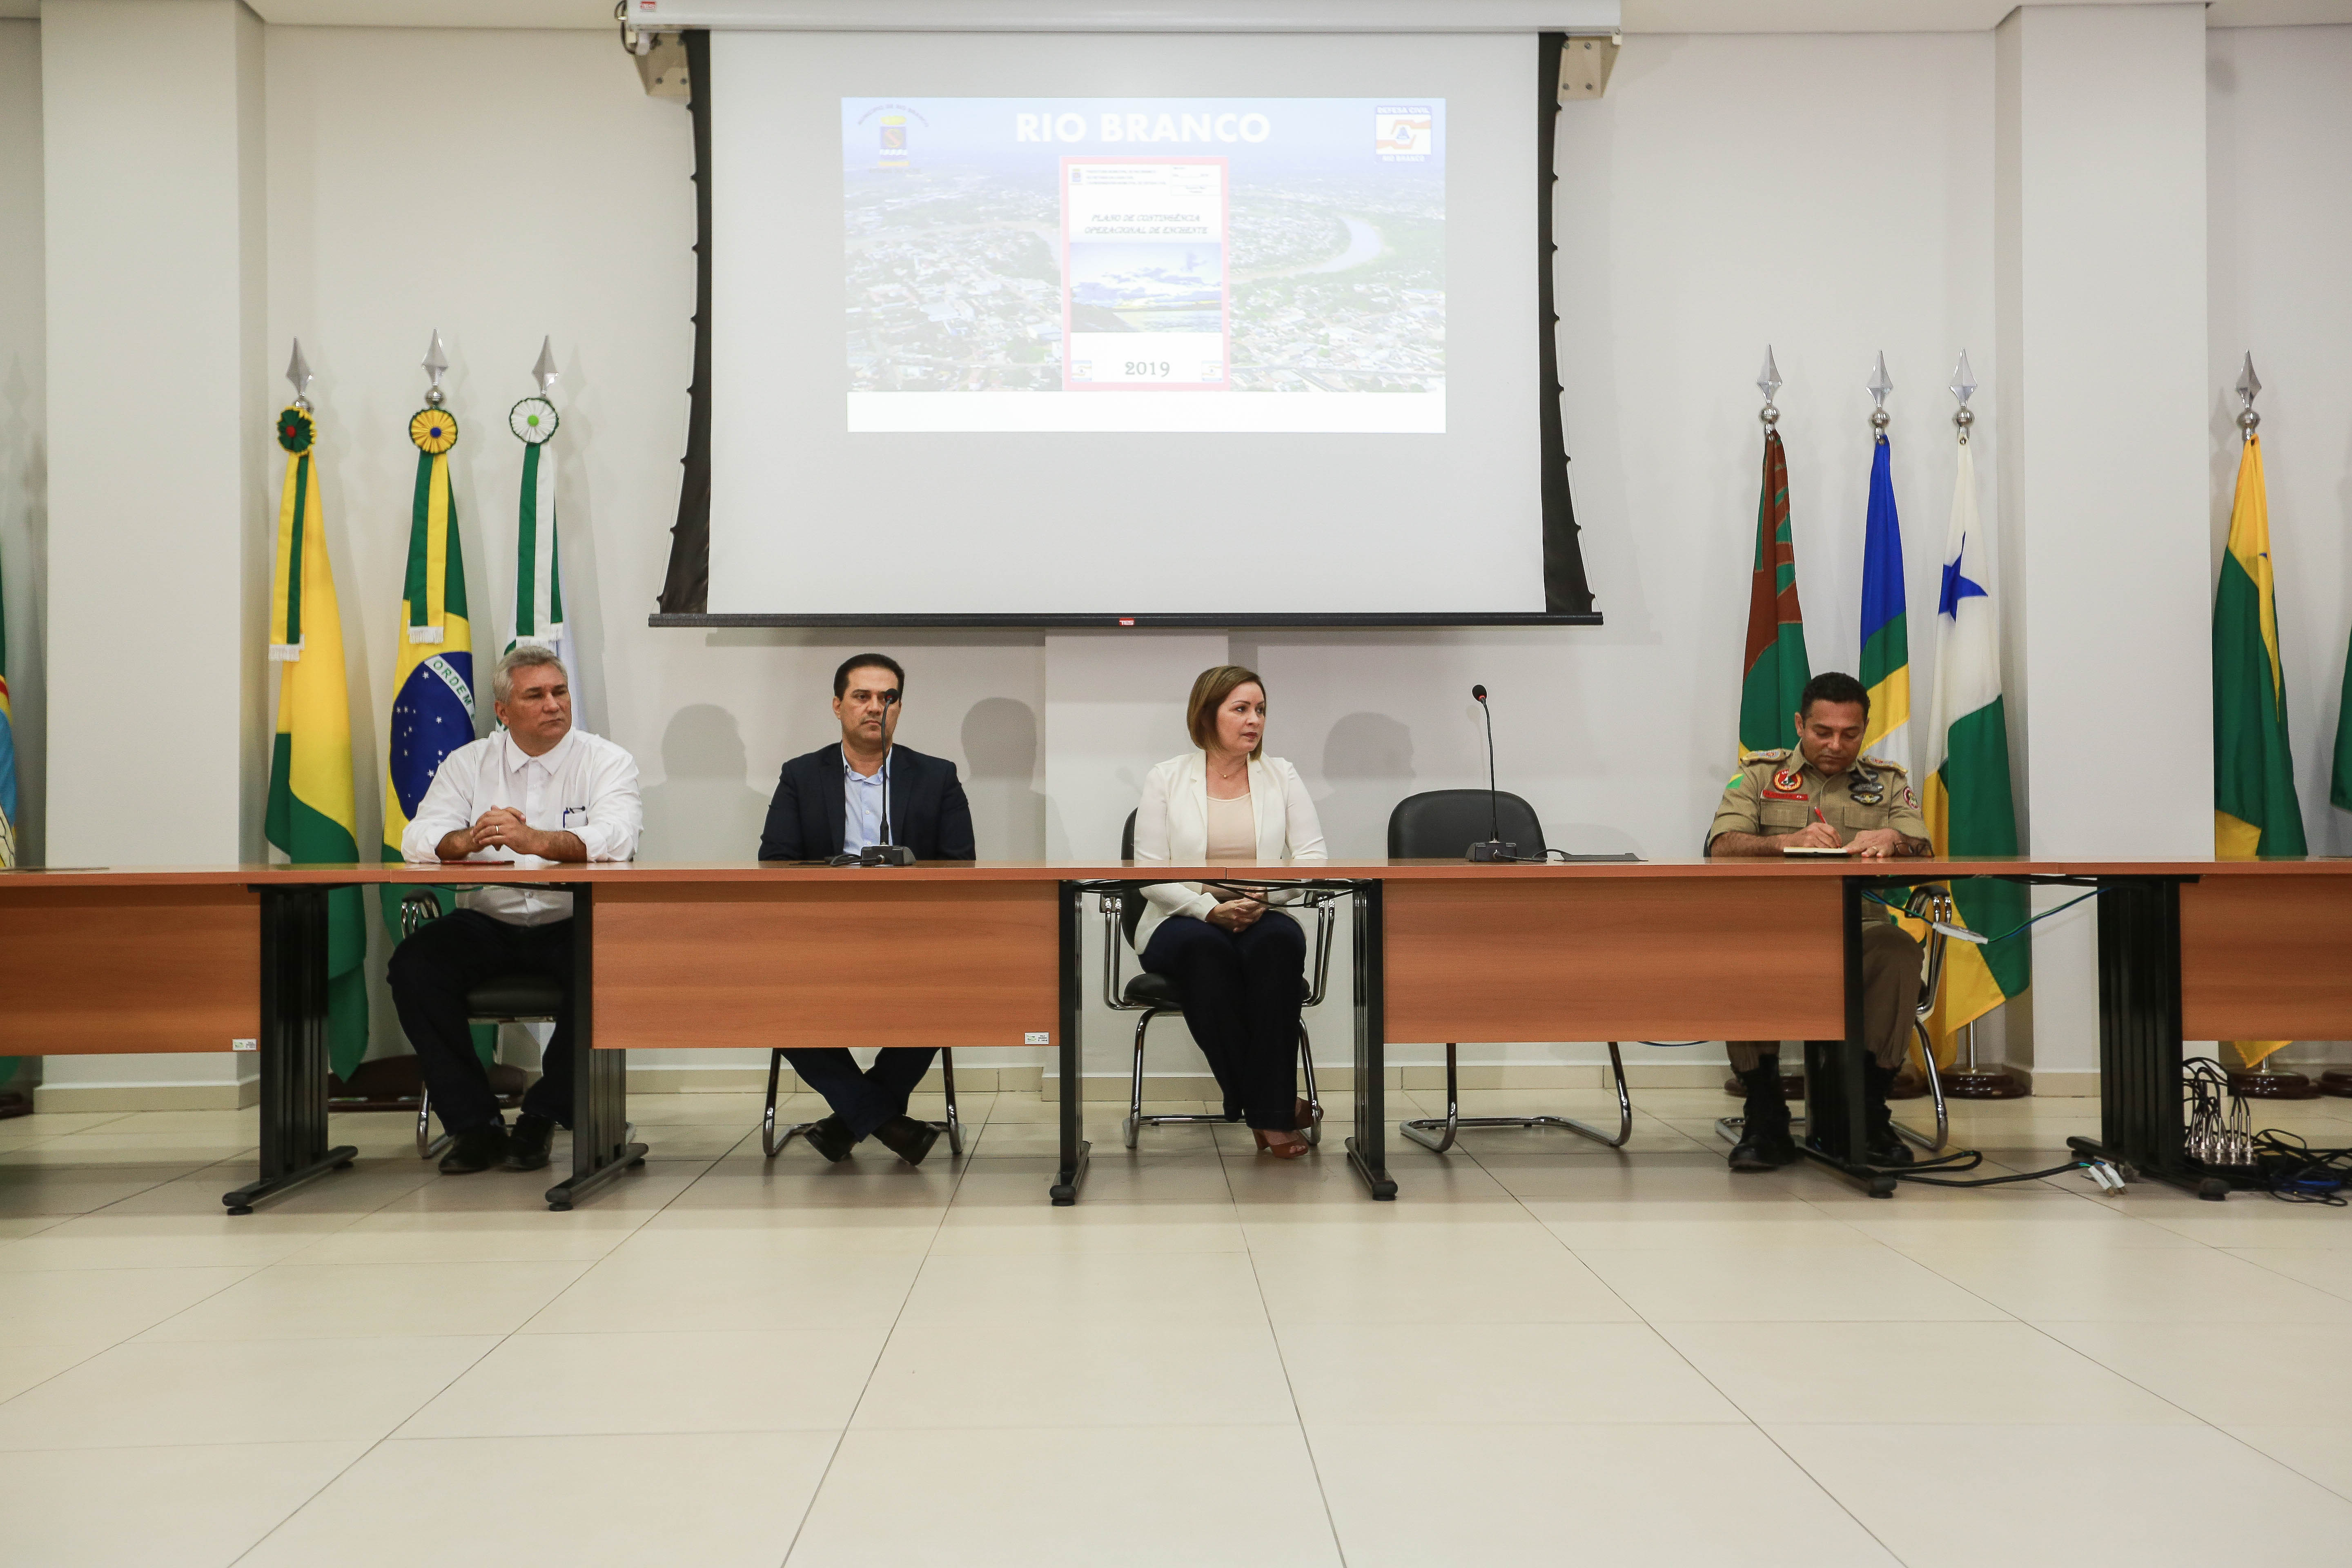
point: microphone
(888, 852)
(1495, 848)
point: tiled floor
(1544, 1353)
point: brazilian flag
(313, 814)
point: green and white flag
(1970, 806)
(538, 565)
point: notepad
(1816, 849)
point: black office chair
(502, 999)
(1442, 825)
(1930, 905)
(772, 1143)
(1155, 995)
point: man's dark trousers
(432, 972)
(864, 1100)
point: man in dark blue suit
(839, 800)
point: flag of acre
(2255, 811)
(1968, 804)
(313, 811)
(1775, 669)
(433, 679)
(2254, 807)
(1885, 668)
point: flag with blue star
(1970, 806)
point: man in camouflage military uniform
(1825, 793)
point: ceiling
(1641, 15)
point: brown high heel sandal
(1280, 1152)
(1305, 1119)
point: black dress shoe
(476, 1149)
(526, 1146)
(908, 1139)
(831, 1138)
(1764, 1141)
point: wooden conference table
(988, 954)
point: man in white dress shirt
(538, 793)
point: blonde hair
(1209, 694)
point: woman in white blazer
(1239, 962)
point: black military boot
(1882, 1145)
(1764, 1142)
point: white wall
(2280, 188)
(560, 204)
(2279, 151)
(1830, 195)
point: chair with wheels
(502, 999)
(1156, 996)
(771, 1142)
(1932, 906)
(1441, 824)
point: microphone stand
(886, 853)
(1495, 848)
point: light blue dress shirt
(861, 814)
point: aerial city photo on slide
(1145, 264)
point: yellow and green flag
(2255, 811)
(1969, 804)
(313, 811)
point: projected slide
(1228, 264)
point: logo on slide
(894, 140)
(1403, 133)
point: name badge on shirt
(574, 816)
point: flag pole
(1974, 1081)
(2263, 1082)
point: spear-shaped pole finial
(437, 365)
(2249, 383)
(1768, 381)
(544, 371)
(298, 371)
(1879, 386)
(1964, 382)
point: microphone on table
(886, 853)
(1495, 848)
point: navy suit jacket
(927, 811)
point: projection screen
(1043, 327)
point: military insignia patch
(1908, 798)
(1789, 779)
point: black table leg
(1367, 1150)
(1836, 1114)
(600, 1145)
(293, 1047)
(2139, 1039)
(1072, 1174)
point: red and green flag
(1776, 669)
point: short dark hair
(1209, 693)
(866, 661)
(1830, 685)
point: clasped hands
(1237, 914)
(1869, 844)
(500, 827)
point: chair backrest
(1131, 903)
(1441, 823)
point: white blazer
(1172, 828)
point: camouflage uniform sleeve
(1738, 811)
